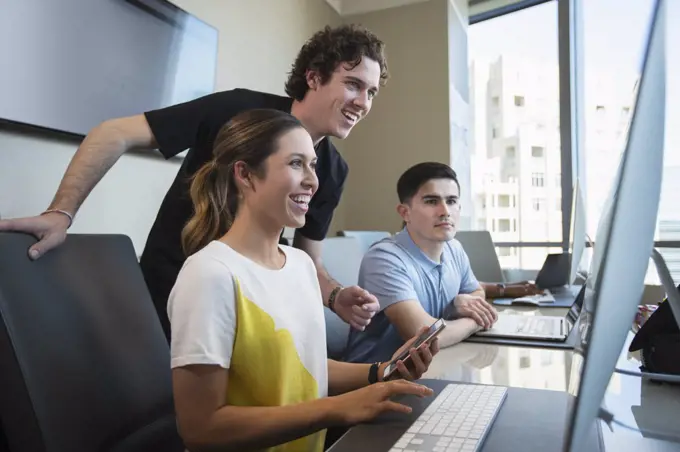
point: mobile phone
(427, 336)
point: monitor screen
(70, 64)
(623, 244)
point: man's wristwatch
(373, 373)
(501, 290)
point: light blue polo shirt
(394, 270)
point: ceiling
(350, 7)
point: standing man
(330, 88)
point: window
(536, 151)
(538, 204)
(610, 81)
(506, 251)
(537, 180)
(530, 101)
(503, 225)
(503, 200)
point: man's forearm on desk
(456, 331)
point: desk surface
(637, 403)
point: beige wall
(258, 41)
(409, 121)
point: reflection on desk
(517, 367)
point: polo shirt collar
(404, 239)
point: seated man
(421, 274)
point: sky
(614, 37)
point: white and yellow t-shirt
(266, 326)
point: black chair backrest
(84, 363)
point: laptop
(554, 274)
(546, 328)
(553, 278)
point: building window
(518, 95)
(507, 251)
(537, 180)
(537, 151)
(503, 200)
(503, 225)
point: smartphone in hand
(426, 337)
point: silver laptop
(540, 327)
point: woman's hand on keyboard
(369, 402)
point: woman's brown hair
(250, 137)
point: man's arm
(510, 290)
(353, 305)
(100, 150)
(313, 249)
(171, 130)
(479, 292)
(409, 317)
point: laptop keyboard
(457, 420)
(532, 325)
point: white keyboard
(457, 420)
(541, 326)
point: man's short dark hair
(330, 47)
(418, 175)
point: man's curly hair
(330, 47)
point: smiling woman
(248, 354)
(241, 148)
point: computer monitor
(623, 243)
(577, 231)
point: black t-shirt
(194, 125)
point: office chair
(342, 258)
(481, 252)
(365, 238)
(85, 364)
